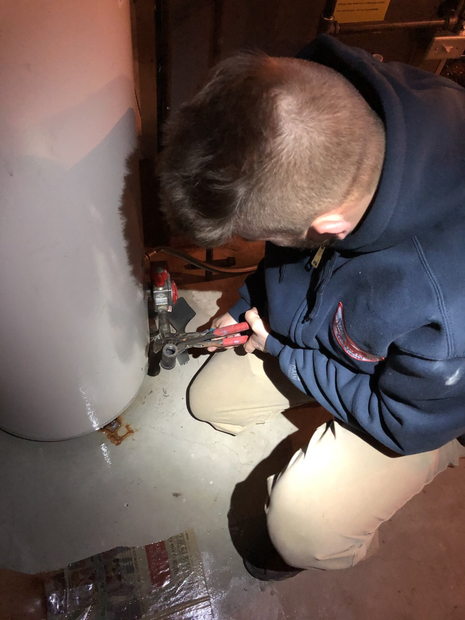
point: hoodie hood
(422, 184)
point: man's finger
(249, 346)
(252, 316)
(223, 321)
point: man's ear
(334, 224)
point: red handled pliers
(214, 337)
(168, 348)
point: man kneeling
(343, 165)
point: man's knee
(310, 532)
(232, 393)
(205, 405)
(317, 547)
(202, 401)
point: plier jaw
(173, 345)
(214, 337)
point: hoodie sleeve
(411, 405)
(252, 294)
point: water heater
(73, 320)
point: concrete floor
(65, 501)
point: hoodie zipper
(325, 276)
(314, 263)
(317, 257)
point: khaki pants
(326, 506)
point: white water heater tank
(73, 320)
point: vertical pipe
(329, 8)
(215, 55)
(163, 66)
(217, 31)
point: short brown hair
(266, 146)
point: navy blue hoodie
(376, 333)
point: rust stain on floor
(115, 432)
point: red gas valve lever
(174, 291)
(160, 276)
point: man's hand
(222, 321)
(257, 340)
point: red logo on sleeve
(346, 342)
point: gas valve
(164, 291)
(171, 315)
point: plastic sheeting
(159, 581)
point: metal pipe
(208, 259)
(460, 23)
(164, 324)
(329, 8)
(358, 27)
(198, 263)
(169, 356)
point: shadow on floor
(246, 516)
